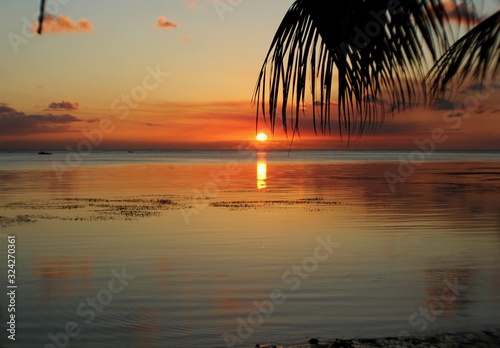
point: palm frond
(375, 50)
(476, 55)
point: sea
(237, 248)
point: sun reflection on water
(261, 170)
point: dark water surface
(197, 249)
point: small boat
(45, 153)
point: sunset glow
(261, 137)
(173, 79)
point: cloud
(64, 24)
(185, 38)
(192, 4)
(63, 105)
(370, 98)
(459, 113)
(5, 109)
(445, 104)
(479, 87)
(320, 103)
(164, 23)
(13, 122)
(459, 12)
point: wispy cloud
(164, 23)
(192, 4)
(320, 103)
(445, 104)
(480, 87)
(63, 105)
(186, 38)
(64, 24)
(154, 124)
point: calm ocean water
(227, 248)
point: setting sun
(261, 137)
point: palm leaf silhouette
(378, 51)
(475, 55)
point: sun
(261, 137)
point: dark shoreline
(484, 339)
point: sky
(173, 74)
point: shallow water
(210, 238)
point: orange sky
(170, 125)
(180, 74)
